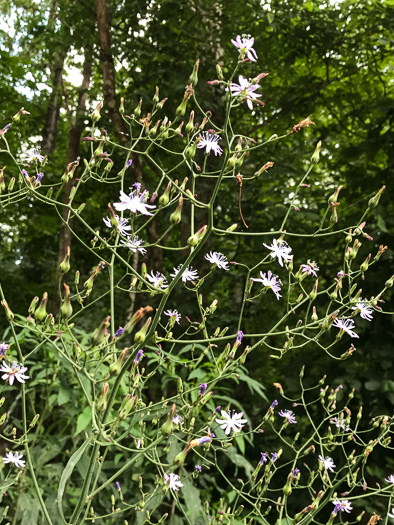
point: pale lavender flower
(289, 415)
(345, 325)
(328, 463)
(5, 129)
(274, 404)
(245, 89)
(188, 273)
(245, 47)
(25, 174)
(138, 357)
(177, 420)
(363, 307)
(174, 313)
(134, 244)
(204, 439)
(231, 422)
(123, 225)
(281, 251)
(203, 388)
(15, 458)
(13, 371)
(129, 163)
(390, 479)
(339, 423)
(39, 177)
(270, 281)
(137, 186)
(310, 268)
(210, 141)
(157, 279)
(173, 481)
(198, 468)
(344, 505)
(135, 202)
(296, 471)
(3, 349)
(34, 156)
(274, 456)
(117, 485)
(264, 458)
(217, 258)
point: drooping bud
(65, 264)
(41, 311)
(66, 309)
(141, 334)
(175, 217)
(194, 239)
(95, 116)
(101, 333)
(193, 79)
(375, 200)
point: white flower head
(217, 258)
(270, 281)
(123, 225)
(281, 251)
(390, 479)
(157, 279)
(188, 273)
(174, 313)
(134, 244)
(391, 514)
(246, 90)
(345, 325)
(343, 505)
(289, 415)
(340, 423)
(363, 307)
(34, 156)
(328, 463)
(13, 371)
(135, 202)
(245, 47)
(173, 481)
(310, 268)
(210, 141)
(231, 421)
(15, 458)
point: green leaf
(67, 473)
(193, 501)
(83, 420)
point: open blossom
(264, 458)
(210, 141)
(289, 415)
(217, 258)
(157, 279)
(270, 281)
(343, 505)
(364, 308)
(390, 479)
(12, 372)
(188, 273)
(245, 90)
(34, 156)
(123, 225)
(15, 458)
(173, 481)
(134, 244)
(328, 463)
(3, 349)
(339, 423)
(281, 251)
(134, 202)
(345, 325)
(174, 313)
(310, 268)
(245, 47)
(231, 422)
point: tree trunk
(74, 142)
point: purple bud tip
(118, 485)
(274, 404)
(119, 332)
(25, 174)
(40, 176)
(240, 336)
(129, 163)
(263, 458)
(198, 468)
(203, 388)
(205, 439)
(218, 408)
(139, 355)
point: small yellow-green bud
(65, 264)
(193, 240)
(141, 334)
(175, 217)
(102, 400)
(41, 311)
(66, 309)
(95, 116)
(316, 155)
(375, 200)
(193, 79)
(137, 111)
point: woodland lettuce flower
(15, 458)
(270, 281)
(289, 415)
(123, 225)
(328, 463)
(134, 202)
(245, 47)
(217, 258)
(246, 90)
(281, 251)
(231, 422)
(13, 371)
(188, 273)
(210, 141)
(173, 481)
(345, 325)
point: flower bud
(193, 79)
(66, 309)
(175, 217)
(365, 264)
(161, 103)
(95, 116)
(180, 458)
(101, 333)
(12, 183)
(232, 228)
(139, 314)
(33, 305)
(219, 72)
(375, 200)
(389, 283)
(137, 111)
(190, 151)
(116, 367)
(166, 428)
(126, 406)
(165, 198)
(141, 334)
(334, 196)
(153, 131)
(3, 418)
(190, 124)
(65, 264)
(156, 97)
(193, 240)
(41, 311)
(316, 156)
(102, 400)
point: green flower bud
(219, 72)
(101, 333)
(116, 367)
(137, 111)
(95, 116)
(102, 400)
(65, 264)
(175, 217)
(66, 309)
(190, 124)
(139, 314)
(193, 79)
(193, 240)
(33, 305)
(375, 200)
(12, 183)
(166, 428)
(41, 311)
(156, 97)
(316, 156)
(165, 198)
(141, 334)
(161, 103)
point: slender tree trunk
(111, 104)
(74, 141)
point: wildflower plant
(153, 451)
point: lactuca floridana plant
(155, 419)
